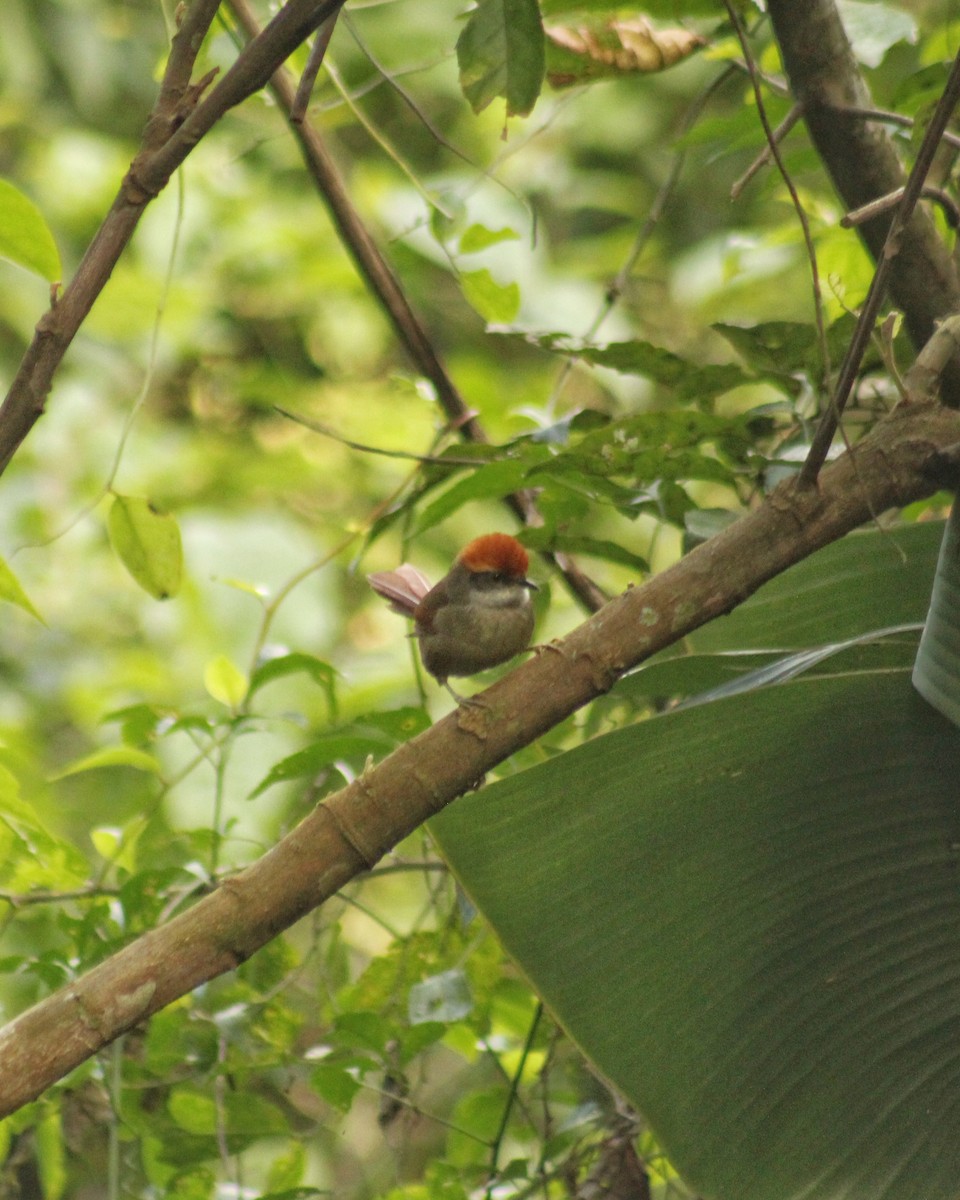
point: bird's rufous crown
(495, 552)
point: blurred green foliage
(649, 371)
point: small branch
(514, 1088)
(884, 204)
(92, 892)
(318, 52)
(765, 156)
(363, 448)
(885, 117)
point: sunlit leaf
(112, 756)
(497, 303)
(225, 681)
(25, 237)
(13, 593)
(478, 237)
(875, 28)
(147, 542)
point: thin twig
(764, 157)
(390, 79)
(820, 446)
(788, 182)
(298, 110)
(364, 448)
(894, 118)
(511, 1097)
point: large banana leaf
(936, 675)
(747, 913)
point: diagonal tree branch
(179, 120)
(908, 456)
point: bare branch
(318, 52)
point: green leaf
(224, 681)
(195, 1112)
(867, 580)
(147, 542)
(780, 928)
(681, 676)
(293, 664)
(804, 662)
(241, 1115)
(779, 349)
(25, 237)
(13, 593)
(51, 1158)
(539, 539)
(500, 52)
(112, 756)
(691, 380)
(669, 445)
(445, 997)
(488, 482)
(479, 237)
(287, 1170)
(374, 734)
(30, 856)
(138, 722)
(875, 28)
(297, 1193)
(497, 303)
(936, 674)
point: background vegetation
(646, 358)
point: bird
(478, 616)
